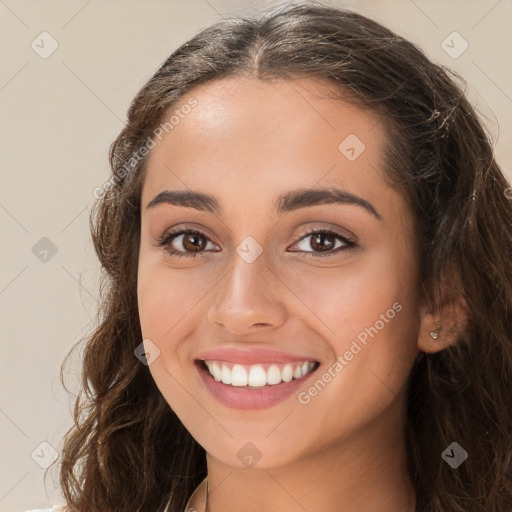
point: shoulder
(55, 508)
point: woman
(306, 243)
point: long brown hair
(128, 450)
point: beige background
(58, 117)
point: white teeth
(238, 376)
(216, 372)
(226, 375)
(255, 375)
(273, 375)
(288, 373)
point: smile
(257, 375)
(254, 386)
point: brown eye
(193, 242)
(185, 242)
(322, 242)
(326, 241)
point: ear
(451, 318)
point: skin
(245, 142)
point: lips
(253, 378)
(252, 356)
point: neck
(365, 473)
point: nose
(248, 298)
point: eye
(179, 242)
(190, 243)
(324, 241)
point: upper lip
(251, 356)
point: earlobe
(438, 332)
(432, 337)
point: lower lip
(250, 398)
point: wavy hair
(128, 450)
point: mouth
(256, 376)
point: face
(268, 280)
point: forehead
(248, 140)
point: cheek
(167, 297)
(371, 301)
(370, 319)
(169, 301)
(342, 301)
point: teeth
(255, 375)
(273, 375)
(225, 375)
(216, 372)
(238, 376)
(288, 373)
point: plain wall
(58, 117)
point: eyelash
(165, 240)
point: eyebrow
(287, 202)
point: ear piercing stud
(435, 334)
